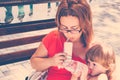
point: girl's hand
(78, 69)
(76, 75)
(81, 71)
(84, 72)
(58, 59)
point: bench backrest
(21, 28)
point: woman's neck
(79, 50)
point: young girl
(101, 63)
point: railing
(20, 28)
(16, 2)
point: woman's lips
(71, 39)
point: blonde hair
(81, 10)
(104, 55)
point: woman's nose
(69, 35)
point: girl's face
(95, 68)
(69, 25)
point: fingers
(61, 57)
(81, 71)
(84, 72)
(58, 59)
(61, 54)
(70, 65)
(75, 67)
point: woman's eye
(64, 28)
(74, 28)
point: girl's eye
(94, 64)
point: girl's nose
(90, 66)
(90, 69)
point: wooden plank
(27, 26)
(16, 56)
(21, 41)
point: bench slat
(21, 41)
(26, 26)
(16, 56)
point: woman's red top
(54, 43)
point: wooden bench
(25, 34)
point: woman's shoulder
(54, 32)
(54, 35)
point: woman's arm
(40, 60)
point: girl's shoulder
(99, 77)
(102, 77)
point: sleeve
(47, 39)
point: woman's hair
(81, 10)
(104, 55)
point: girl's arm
(74, 77)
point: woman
(74, 23)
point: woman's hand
(58, 59)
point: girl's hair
(104, 55)
(81, 10)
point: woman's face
(69, 25)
